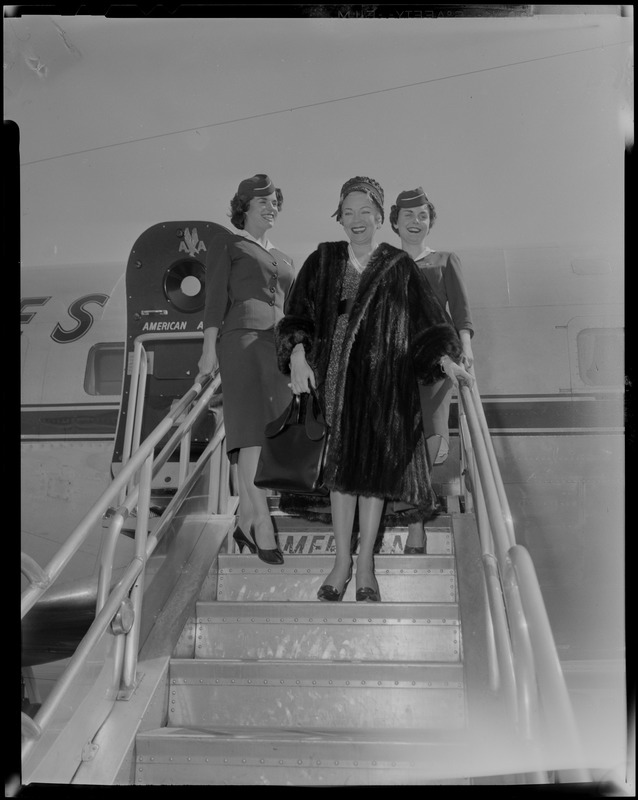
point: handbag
(294, 451)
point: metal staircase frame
(524, 667)
(118, 609)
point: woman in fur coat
(362, 326)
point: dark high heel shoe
(243, 541)
(331, 593)
(366, 594)
(268, 556)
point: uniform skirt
(435, 408)
(254, 391)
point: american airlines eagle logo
(191, 243)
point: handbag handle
(315, 422)
(316, 427)
(283, 420)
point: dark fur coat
(396, 333)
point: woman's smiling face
(261, 215)
(413, 224)
(360, 217)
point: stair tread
(325, 561)
(268, 672)
(420, 578)
(359, 735)
(302, 756)
(346, 610)
(310, 717)
(289, 525)
(346, 631)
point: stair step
(324, 694)
(301, 540)
(447, 504)
(414, 579)
(234, 755)
(335, 631)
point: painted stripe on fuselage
(550, 414)
(524, 415)
(62, 422)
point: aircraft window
(104, 369)
(601, 356)
(184, 285)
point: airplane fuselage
(549, 363)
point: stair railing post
(213, 485)
(139, 409)
(184, 457)
(137, 591)
(132, 401)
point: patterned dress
(351, 280)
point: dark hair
(239, 206)
(394, 215)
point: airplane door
(165, 291)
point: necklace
(355, 261)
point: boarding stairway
(279, 688)
(205, 666)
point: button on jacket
(246, 284)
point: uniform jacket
(246, 285)
(445, 276)
(396, 334)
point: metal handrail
(503, 537)
(91, 637)
(180, 436)
(529, 671)
(496, 472)
(506, 676)
(33, 571)
(77, 537)
(502, 673)
(110, 600)
(561, 724)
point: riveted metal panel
(271, 773)
(439, 541)
(322, 757)
(287, 690)
(316, 694)
(185, 647)
(321, 541)
(417, 579)
(336, 631)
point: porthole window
(184, 285)
(104, 369)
